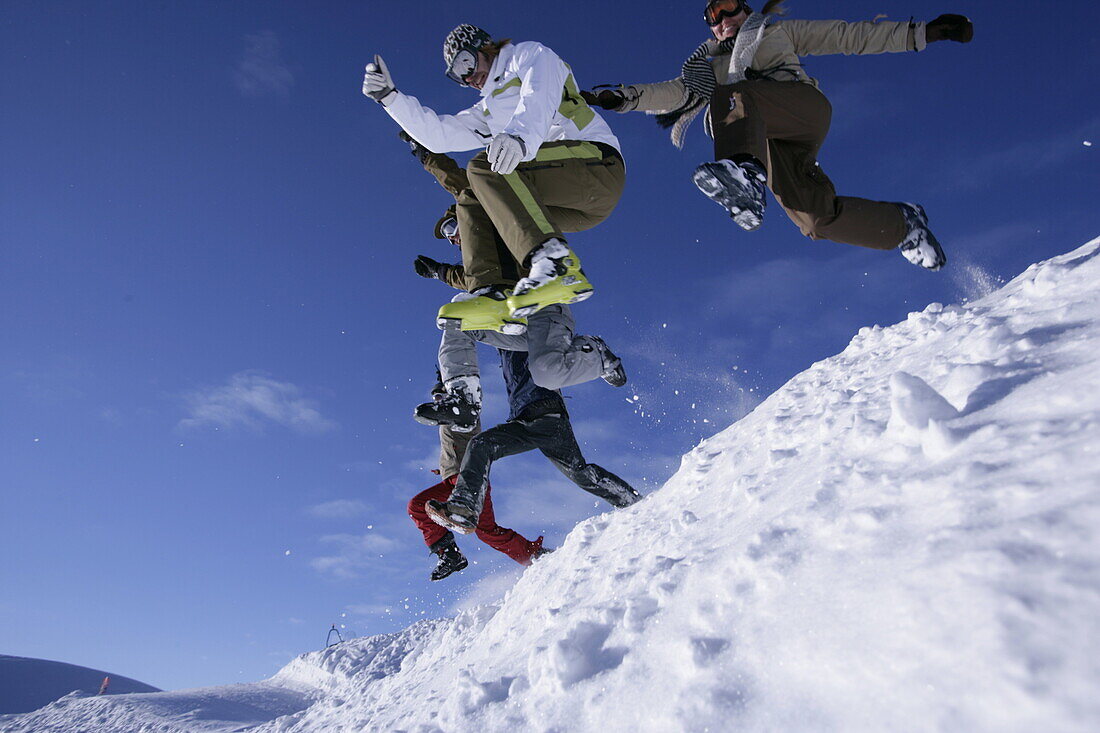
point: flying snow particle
(370, 526)
(37, 439)
(287, 553)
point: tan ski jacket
(778, 56)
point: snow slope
(903, 537)
(27, 684)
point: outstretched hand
(611, 99)
(377, 82)
(416, 148)
(425, 266)
(949, 27)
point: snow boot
(736, 187)
(613, 371)
(537, 550)
(485, 309)
(459, 406)
(451, 559)
(452, 515)
(920, 246)
(556, 277)
(620, 493)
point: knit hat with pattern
(465, 36)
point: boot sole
(940, 257)
(746, 220)
(527, 311)
(443, 519)
(509, 328)
(615, 382)
(714, 190)
(423, 420)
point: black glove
(605, 98)
(417, 149)
(949, 27)
(427, 267)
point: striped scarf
(697, 74)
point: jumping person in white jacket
(550, 165)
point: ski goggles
(462, 66)
(449, 228)
(718, 9)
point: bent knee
(817, 227)
(479, 166)
(546, 371)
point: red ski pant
(502, 539)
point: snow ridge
(903, 537)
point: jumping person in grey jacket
(769, 119)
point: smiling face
(481, 73)
(729, 25)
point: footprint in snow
(578, 655)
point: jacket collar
(496, 71)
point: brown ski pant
(783, 124)
(496, 262)
(570, 186)
(452, 447)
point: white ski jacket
(530, 93)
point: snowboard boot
(613, 371)
(485, 309)
(556, 277)
(451, 559)
(459, 406)
(452, 515)
(736, 187)
(920, 245)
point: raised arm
(823, 37)
(661, 96)
(438, 133)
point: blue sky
(213, 338)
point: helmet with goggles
(716, 10)
(460, 51)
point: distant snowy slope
(226, 708)
(27, 684)
(903, 537)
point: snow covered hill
(27, 684)
(903, 537)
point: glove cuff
(630, 99)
